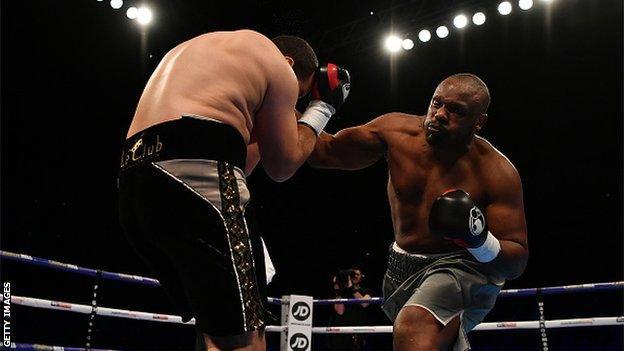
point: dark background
(72, 73)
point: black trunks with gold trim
(182, 202)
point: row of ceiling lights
(142, 14)
(394, 43)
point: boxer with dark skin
(426, 156)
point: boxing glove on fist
(329, 91)
(455, 216)
(331, 84)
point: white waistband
(201, 117)
(397, 249)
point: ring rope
(375, 300)
(40, 347)
(101, 311)
(113, 312)
(42, 262)
(322, 302)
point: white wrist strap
(317, 115)
(488, 251)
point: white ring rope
(101, 311)
(155, 317)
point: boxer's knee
(416, 329)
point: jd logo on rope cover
(299, 342)
(301, 311)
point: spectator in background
(347, 285)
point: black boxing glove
(329, 91)
(331, 84)
(454, 216)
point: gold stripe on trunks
(240, 247)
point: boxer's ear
(290, 60)
(481, 122)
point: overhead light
(460, 21)
(407, 44)
(442, 32)
(116, 4)
(525, 4)
(424, 35)
(393, 43)
(504, 8)
(144, 15)
(132, 12)
(478, 18)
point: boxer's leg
(418, 329)
(212, 252)
(430, 319)
(252, 341)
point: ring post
(297, 316)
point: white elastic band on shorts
(488, 251)
(317, 115)
(398, 249)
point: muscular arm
(505, 216)
(351, 148)
(283, 144)
(253, 151)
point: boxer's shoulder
(242, 42)
(490, 154)
(251, 32)
(495, 165)
(229, 35)
(257, 39)
(398, 122)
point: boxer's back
(220, 75)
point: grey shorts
(446, 285)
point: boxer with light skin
(256, 100)
(214, 107)
(457, 211)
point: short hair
(477, 85)
(300, 51)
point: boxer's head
(301, 58)
(458, 110)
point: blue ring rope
(42, 262)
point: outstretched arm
(351, 148)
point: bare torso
(417, 178)
(220, 75)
